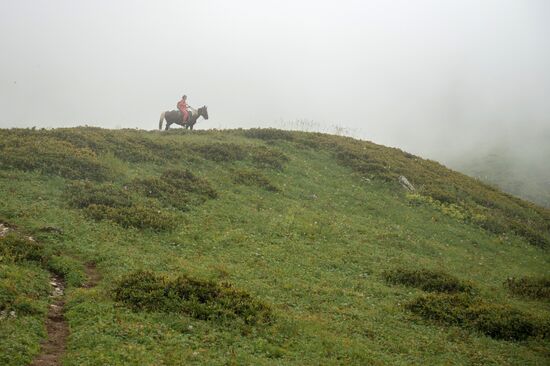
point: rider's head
(184, 97)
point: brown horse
(174, 117)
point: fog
(434, 77)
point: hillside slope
(263, 247)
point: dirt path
(57, 328)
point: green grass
(314, 251)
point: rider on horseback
(182, 106)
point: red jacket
(182, 105)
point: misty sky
(422, 75)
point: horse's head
(203, 111)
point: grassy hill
(263, 247)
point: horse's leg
(167, 126)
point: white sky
(423, 75)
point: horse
(174, 117)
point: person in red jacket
(182, 106)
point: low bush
(269, 134)
(253, 178)
(36, 152)
(138, 216)
(268, 158)
(185, 180)
(200, 299)
(82, 194)
(494, 320)
(537, 288)
(427, 280)
(220, 151)
(15, 247)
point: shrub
(185, 180)
(531, 287)
(253, 178)
(427, 280)
(268, 158)
(15, 247)
(220, 151)
(494, 320)
(137, 216)
(200, 299)
(82, 194)
(34, 151)
(269, 134)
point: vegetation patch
(109, 202)
(200, 299)
(253, 178)
(186, 181)
(139, 216)
(220, 151)
(494, 320)
(32, 151)
(15, 247)
(264, 157)
(537, 288)
(269, 134)
(82, 194)
(427, 280)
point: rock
(3, 230)
(406, 184)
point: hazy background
(439, 78)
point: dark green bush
(82, 194)
(137, 216)
(531, 287)
(269, 134)
(253, 178)
(220, 151)
(15, 247)
(200, 299)
(185, 180)
(494, 320)
(268, 158)
(427, 280)
(34, 151)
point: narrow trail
(57, 327)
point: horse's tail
(161, 120)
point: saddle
(190, 113)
